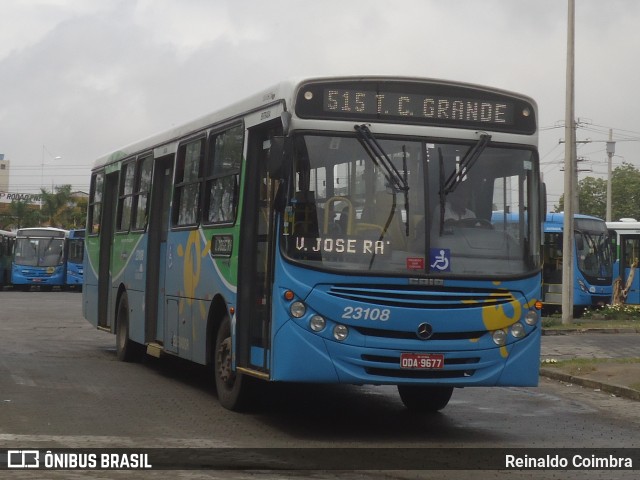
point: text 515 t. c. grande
(329, 230)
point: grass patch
(609, 316)
(582, 366)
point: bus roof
(627, 224)
(76, 233)
(283, 92)
(42, 231)
(554, 222)
(558, 217)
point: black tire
(235, 390)
(126, 349)
(424, 399)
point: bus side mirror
(279, 160)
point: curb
(617, 390)
(570, 331)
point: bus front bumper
(303, 356)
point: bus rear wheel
(234, 388)
(424, 399)
(126, 349)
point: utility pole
(611, 149)
(569, 174)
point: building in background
(4, 173)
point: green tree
(625, 194)
(60, 209)
(78, 214)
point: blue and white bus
(626, 239)
(39, 258)
(309, 234)
(592, 265)
(7, 241)
(75, 258)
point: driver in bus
(455, 207)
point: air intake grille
(418, 297)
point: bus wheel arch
(217, 312)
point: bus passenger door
(157, 248)
(255, 264)
(630, 256)
(106, 244)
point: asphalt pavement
(611, 376)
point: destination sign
(416, 105)
(428, 103)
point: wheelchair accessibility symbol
(440, 259)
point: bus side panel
(127, 270)
(193, 278)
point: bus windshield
(430, 212)
(39, 252)
(593, 248)
(76, 250)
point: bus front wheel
(234, 388)
(127, 350)
(424, 399)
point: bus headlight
(517, 330)
(297, 309)
(499, 337)
(531, 317)
(317, 323)
(583, 287)
(340, 332)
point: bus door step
(154, 349)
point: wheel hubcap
(224, 362)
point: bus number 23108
(359, 313)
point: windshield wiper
(397, 183)
(468, 161)
(381, 159)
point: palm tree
(62, 209)
(23, 214)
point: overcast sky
(81, 78)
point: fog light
(317, 323)
(499, 337)
(340, 332)
(297, 309)
(517, 330)
(531, 317)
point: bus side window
(95, 202)
(223, 170)
(187, 187)
(143, 189)
(125, 199)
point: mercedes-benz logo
(424, 331)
